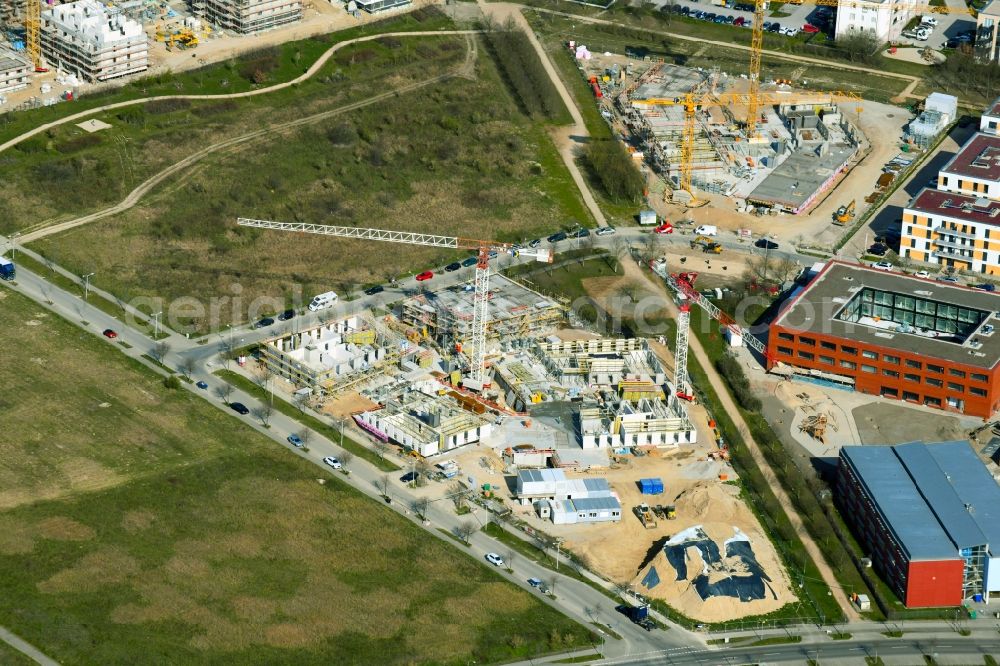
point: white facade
(886, 20)
(86, 39)
(15, 71)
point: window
(935, 368)
(809, 342)
(911, 378)
(806, 355)
(891, 359)
(932, 402)
(934, 382)
(826, 359)
(976, 377)
(910, 363)
(977, 391)
(867, 353)
(785, 336)
(848, 364)
(890, 373)
(908, 395)
(787, 351)
(957, 388)
(870, 369)
(849, 350)
(828, 345)
(954, 372)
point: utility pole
(156, 324)
(86, 285)
(12, 240)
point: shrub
(172, 382)
(523, 72)
(616, 171)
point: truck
(7, 269)
(638, 614)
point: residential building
(885, 20)
(94, 42)
(250, 16)
(990, 119)
(15, 71)
(899, 336)
(987, 46)
(928, 516)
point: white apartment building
(886, 19)
(250, 16)
(95, 43)
(987, 44)
(15, 71)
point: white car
(707, 230)
(332, 462)
(922, 274)
(605, 231)
(928, 20)
(494, 559)
(883, 266)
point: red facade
(930, 584)
(892, 373)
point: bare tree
(188, 366)
(160, 350)
(465, 531)
(619, 250)
(456, 492)
(263, 376)
(381, 448)
(305, 435)
(419, 506)
(383, 485)
(551, 582)
(345, 457)
(264, 413)
(301, 401)
(225, 391)
(508, 557)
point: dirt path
(309, 73)
(729, 406)
(567, 139)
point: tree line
(616, 171)
(523, 71)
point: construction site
(689, 125)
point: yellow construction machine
(707, 244)
(844, 214)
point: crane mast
(480, 315)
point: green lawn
(11, 657)
(141, 525)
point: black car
(410, 477)
(471, 261)
(951, 44)
(765, 244)
(878, 250)
(453, 266)
(239, 408)
(775, 27)
(580, 233)
(286, 315)
(264, 323)
(377, 289)
(558, 236)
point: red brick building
(899, 336)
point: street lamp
(86, 285)
(156, 324)
(12, 241)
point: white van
(707, 230)
(323, 301)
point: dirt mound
(711, 501)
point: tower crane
(480, 312)
(681, 388)
(692, 101)
(32, 30)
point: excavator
(707, 244)
(844, 214)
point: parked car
(878, 250)
(986, 286)
(951, 279)
(810, 29)
(264, 323)
(471, 261)
(775, 27)
(739, 21)
(883, 266)
(286, 315)
(110, 334)
(410, 477)
(295, 440)
(377, 289)
(426, 275)
(535, 243)
(583, 232)
(558, 236)
(494, 559)
(239, 408)
(922, 274)
(453, 266)
(665, 228)
(605, 231)
(332, 462)
(951, 44)
(765, 244)
(202, 385)
(707, 230)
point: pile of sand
(712, 501)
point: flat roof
(815, 308)
(606, 503)
(978, 158)
(959, 206)
(936, 498)
(796, 179)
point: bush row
(523, 71)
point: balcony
(948, 231)
(954, 246)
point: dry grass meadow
(140, 525)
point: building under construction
(94, 42)
(15, 71)
(515, 311)
(249, 16)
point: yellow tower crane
(32, 30)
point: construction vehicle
(707, 244)
(671, 511)
(645, 516)
(476, 379)
(844, 214)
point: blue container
(651, 486)
(978, 598)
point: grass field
(456, 157)
(140, 525)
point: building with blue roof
(929, 515)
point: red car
(665, 228)
(426, 275)
(109, 334)
(810, 29)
